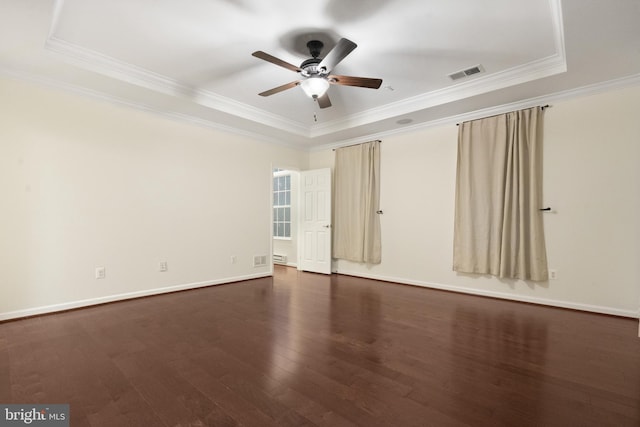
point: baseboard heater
(279, 259)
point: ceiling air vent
(468, 72)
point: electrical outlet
(233, 259)
(101, 272)
(553, 274)
(163, 266)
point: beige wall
(591, 180)
(85, 183)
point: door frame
(295, 242)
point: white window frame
(276, 174)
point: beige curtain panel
(498, 226)
(356, 224)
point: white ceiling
(192, 60)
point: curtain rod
(353, 145)
(542, 107)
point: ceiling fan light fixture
(314, 87)
(315, 72)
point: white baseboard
(287, 264)
(157, 291)
(119, 297)
(503, 295)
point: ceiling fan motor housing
(310, 66)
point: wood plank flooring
(302, 349)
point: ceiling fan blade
(323, 101)
(270, 58)
(355, 81)
(279, 89)
(337, 54)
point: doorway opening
(285, 216)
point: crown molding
(538, 69)
(592, 89)
(125, 72)
(105, 65)
(110, 99)
(534, 70)
(587, 90)
(129, 73)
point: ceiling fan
(315, 71)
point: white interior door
(315, 221)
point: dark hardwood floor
(302, 349)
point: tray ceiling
(192, 60)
